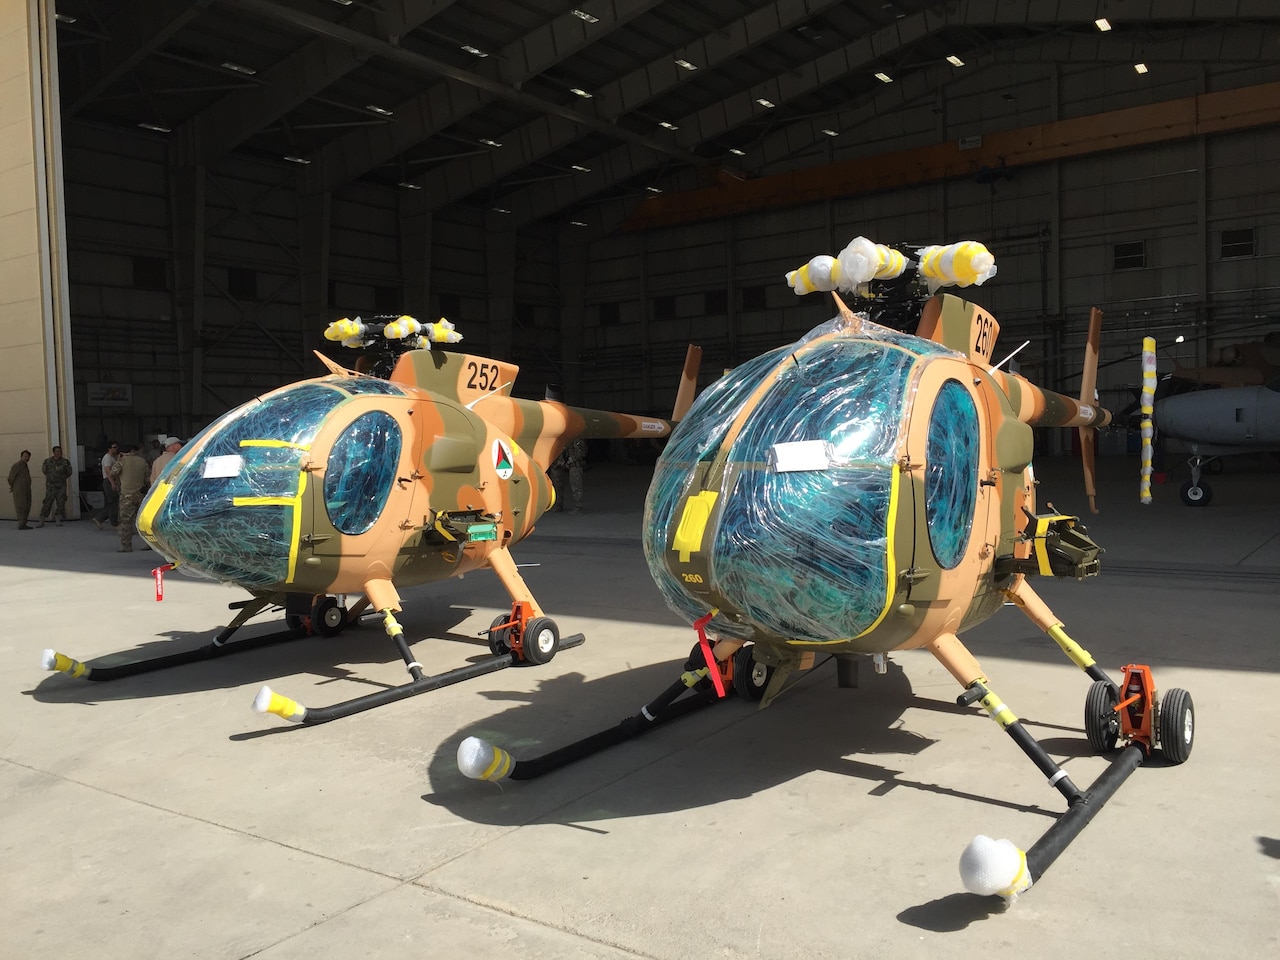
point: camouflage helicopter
(868, 490)
(416, 466)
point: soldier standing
(567, 471)
(130, 473)
(20, 487)
(57, 471)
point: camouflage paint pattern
(469, 480)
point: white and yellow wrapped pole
(1147, 403)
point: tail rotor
(1089, 397)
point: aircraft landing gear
(533, 639)
(481, 760)
(524, 636)
(1129, 712)
(1194, 492)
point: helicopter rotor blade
(1089, 397)
(688, 382)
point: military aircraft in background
(1248, 364)
(1216, 423)
(424, 467)
(869, 490)
(1213, 411)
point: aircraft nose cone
(211, 527)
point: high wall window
(664, 308)
(1129, 256)
(715, 302)
(609, 313)
(1237, 243)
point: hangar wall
(1155, 235)
(36, 411)
(203, 287)
(188, 285)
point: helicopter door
(362, 480)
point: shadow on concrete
(691, 762)
(335, 659)
(952, 913)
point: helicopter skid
(481, 760)
(218, 647)
(268, 701)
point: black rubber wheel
(1177, 725)
(1194, 495)
(541, 640)
(296, 622)
(1214, 466)
(500, 639)
(328, 617)
(1101, 722)
(749, 677)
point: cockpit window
(950, 482)
(360, 471)
(805, 552)
(230, 515)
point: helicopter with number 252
(417, 466)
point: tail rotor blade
(1087, 435)
(1089, 397)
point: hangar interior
(584, 189)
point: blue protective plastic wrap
(249, 542)
(360, 471)
(799, 554)
(951, 480)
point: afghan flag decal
(503, 460)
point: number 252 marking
(484, 376)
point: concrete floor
(157, 816)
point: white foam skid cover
(481, 760)
(989, 867)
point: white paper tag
(225, 466)
(801, 455)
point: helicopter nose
(214, 523)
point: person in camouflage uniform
(57, 471)
(20, 487)
(566, 474)
(131, 474)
